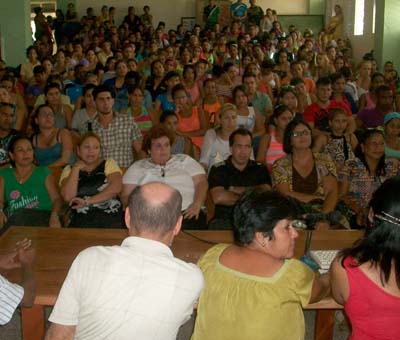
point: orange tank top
(212, 110)
(192, 123)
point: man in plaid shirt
(120, 137)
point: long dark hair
(363, 137)
(381, 242)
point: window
(49, 8)
(373, 17)
(359, 17)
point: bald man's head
(154, 207)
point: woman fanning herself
(339, 145)
(53, 146)
(92, 186)
(216, 141)
(365, 279)
(28, 192)
(254, 289)
(271, 143)
(305, 175)
(361, 176)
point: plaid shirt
(117, 139)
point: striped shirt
(10, 297)
(274, 152)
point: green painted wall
(63, 4)
(316, 7)
(388, 28)
(15, 30)
(315, 22)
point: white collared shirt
(138, 290)
(178, 173)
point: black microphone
(333, 217)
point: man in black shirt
(229, 179)
(6, 132)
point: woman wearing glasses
(309, 177)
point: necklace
(22, 178)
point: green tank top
(32, 194)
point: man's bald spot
(156, 193)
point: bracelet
(87, 203)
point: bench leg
(324, 324)
(33, 323)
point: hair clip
(390, 219)
(390, 216)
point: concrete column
(387, 32)
(15, 30)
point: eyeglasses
(296, 134)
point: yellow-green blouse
(238, 306)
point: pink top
(274, 152)
(373, 312)
(194, 92)
(369, 104)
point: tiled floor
(12, 331)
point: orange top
(192, 123)
(212, 110)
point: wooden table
(56, 248)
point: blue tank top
(47, 156)
(165, 103)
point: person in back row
(142, 291)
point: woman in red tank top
(366, 278)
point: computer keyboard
(323, 258)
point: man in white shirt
(138, 290)
(12, 294)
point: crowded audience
(119, 81)
(243, 122)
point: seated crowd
(249, 125)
